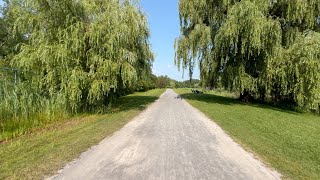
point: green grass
(43, 152)
(286, 140)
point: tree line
(263, 49)
(166, 82)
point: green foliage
(297, 71)
(147, 83)
(255, 47)
(8, 41)
(194, 83)
(166, 82)
(163, 82)
(72, 56)
(85, 50)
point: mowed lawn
(42, 153)
(286, 140)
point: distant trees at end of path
(166, 82)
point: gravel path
(169, 140)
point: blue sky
(1, 4)
(163, 17)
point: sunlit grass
(286, 140)
(43, 152)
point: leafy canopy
(83, 50)
(256, 47)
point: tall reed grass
(23, 109)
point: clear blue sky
(163, 17)
(1, 4)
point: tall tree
(252, 46)
(83, 51)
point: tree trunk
(262, 94)
(246, 96)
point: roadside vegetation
(42, 153)
(59, 59)
(67, 66)
(257, 48)
(288, 141)
(262, 51)
(66, 69)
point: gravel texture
(169, 140)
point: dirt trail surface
(169, 140)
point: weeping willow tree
(80, 53)
(255, 47)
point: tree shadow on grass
(127, 103)
(216, 99)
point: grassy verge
(286, 140)
(42, 153)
